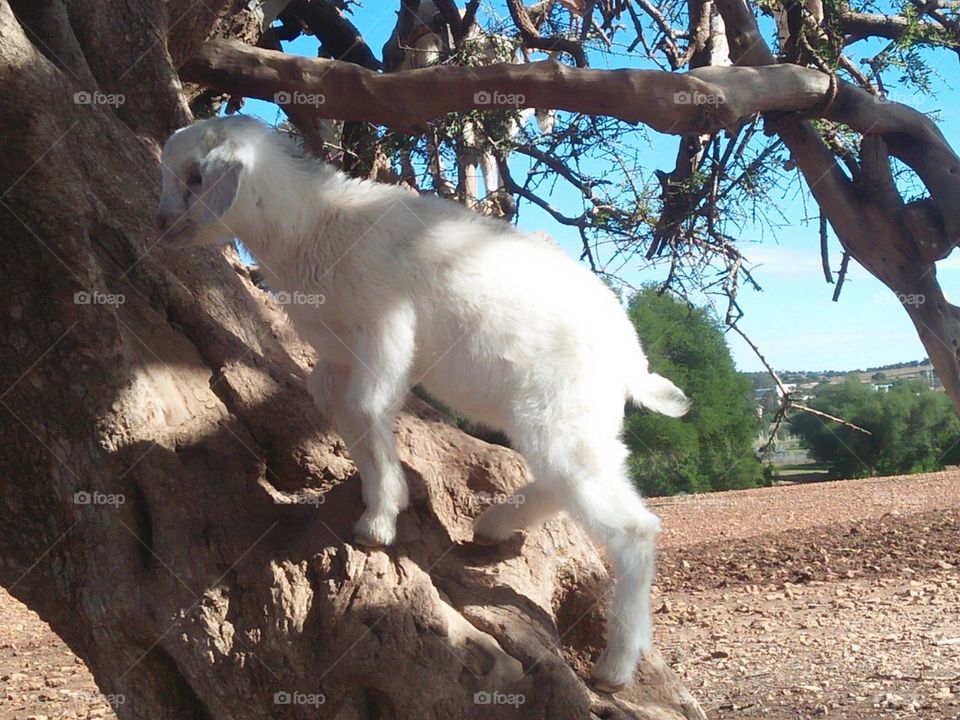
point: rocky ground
(829, 600)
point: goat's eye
(195, 179)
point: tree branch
(514, 188)
(787, 402)
(825, 250)
(841, 276)
(701, 101)
(338, 36)
(533, 39)
(450, 12)
(860, 26)
(673, 53)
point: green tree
(711, 448)
(913, 429)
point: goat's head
(204, 169)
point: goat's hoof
(607, 687)
(486, 541)
(489, 528)
(612, 676)
(375, 530)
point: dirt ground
(837, 600)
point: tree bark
(173, 505)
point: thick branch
(911, 136)
(336, 33)
(668, 102)
(701, 101)
(533, 39)
(864, 25)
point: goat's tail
(658, 394)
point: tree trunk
(897, 242)
(174, 507)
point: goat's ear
(220, 171)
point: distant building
(761, 394)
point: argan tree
(173, 505)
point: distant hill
(896, 371)
(899, 366)
(901, 371)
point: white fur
(498, 324)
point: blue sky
(793, 319)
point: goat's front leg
(375, 390)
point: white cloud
(779, 261)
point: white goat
(498, 324)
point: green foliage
(711, 448)
(915, 429)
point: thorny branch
(787, 402)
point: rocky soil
(828, 600)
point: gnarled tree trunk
(172, 504)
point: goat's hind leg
(327, 385)
(632, 552)
(612, 513)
